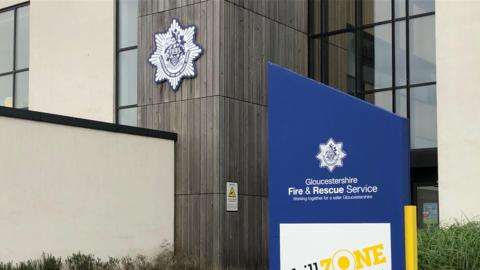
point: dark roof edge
(84, 123)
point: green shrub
(456, 247)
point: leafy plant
(456, 247)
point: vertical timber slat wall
(221, 118)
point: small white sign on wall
(231, 195)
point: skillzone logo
(365, 258)
(335, 246)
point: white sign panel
(335, 246)
(232, 196)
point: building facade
(89, 59)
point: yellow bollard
(411, 255)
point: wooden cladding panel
(250, 42)
(221, 119)
(203, 15)
(243, 130)
(147, 7)
(292, 13)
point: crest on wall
(175, 54)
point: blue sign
(338, 178)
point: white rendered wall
(8, 3)
(458, 113)
(72, 53)
(67, 189)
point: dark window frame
(356, 29)
(118, 51)
(423, 160)
(15, 71)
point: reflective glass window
(381, 99)
(400, 8)
(341, 61)
(401, 102)
(427, 206)
(127, 52)
(422, 50)
(21, 90)
(340, 14)
(317, 58)
(400, 54)
(23, 33)
(316, 18)
(376, 10)
(423, 117)
(347, 56)
(127, 27)
(127, 77)
(128, 116)
(416, 7)
(6, 90)
(376, 57)
(6, 41)
(14, 56)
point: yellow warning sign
(231, 196)
(231, 193)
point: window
(423, 124)
(422, 50)
(382, 51)
(375, 56)
(426, 199)
(376, 11)
(14, 56)
(338, 65)
(126, 94)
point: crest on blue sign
(331, 155)
(175, 54)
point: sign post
(338, 178)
